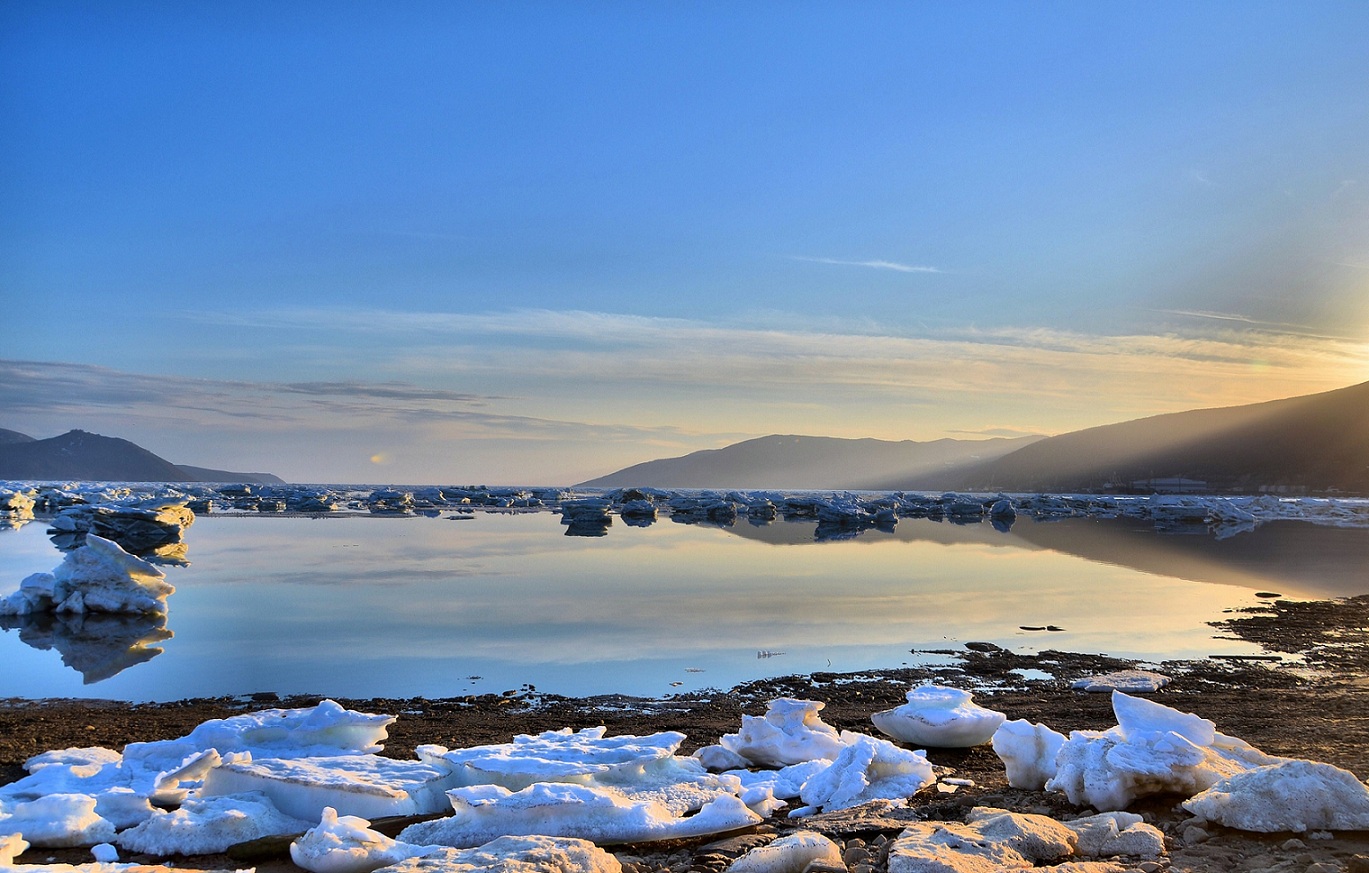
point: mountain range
(1313, 443)
(78, 455)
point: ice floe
(1028, 752)
(484, 812)
(866, 769)
(1286, 796)
(940, 717)
(206, 825)
(98, 577)
(1128, 681)
(368, 786)
(791, 854)
(790, 732)
(347, 844)
(516, 854)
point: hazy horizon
(538, 243)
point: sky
(535, 242)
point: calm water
(369, 606)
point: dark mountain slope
(808, 462)
(8, 437)
(92, 457)
(1318, 441)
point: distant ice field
(423, 606)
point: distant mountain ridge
(815, 463)
(78, 455)
(1312, 443)
(1316, 442)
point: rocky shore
(1314, 705)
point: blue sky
(535, 242)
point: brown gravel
(1316, 707)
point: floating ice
(1028, 752)
(346, 844)
(368, 786)
(1286, 796)
(56, 821)
(139, 526)
(791, 854)
(603, 815)
(940, 717)
(98, 577)
(205, 826)
(790, 732)
(1153, 750)
(868, 769)
(1128, 681)
(15, 505)
(516, 854)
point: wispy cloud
(1278, 326)
(874, 265)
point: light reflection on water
(398, 607)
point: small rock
(1150, 867)
(1294, 843)
(1357, 864)
(1194, 835)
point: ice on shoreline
(939, 717)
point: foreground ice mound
(516, 854)
(317, 731)
(346, 844)
(1153, 750)
(98, 577)
(567, 756)
(57, 821)
(867, 769)
(368, 786)
(791, 854)
(205, 826)
(1288, 796)
(940, 717)
(603, 815)
(790, 732)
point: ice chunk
(940, 717)
(868, 769)
(346, 844)
(205, 826)
(790, 732)
(951, 847)
(601, 814)
(1129, 681)
(516, 854)
(790, 854)
(317, 731)
(98, 577)
(1117, 833)
(57, 821)
(787, 782)
(1153, 750)
(368, 786)
(1028, 752)
(104, 853)
(1287, 796)
(1034, 837)
(12, 845)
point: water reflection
(96, 646)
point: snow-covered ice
(866, 769)
(939, 717)
(347, 844)
(1028, 752)
(604, 815)
(1290, 795)
(56, 821)
(790, 854)
(790, 732)
(1153, 750)
(98, 577)
(368, 786)
(204, 826)
(516, 854)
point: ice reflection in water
(96, 646)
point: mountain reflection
(98, 646)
